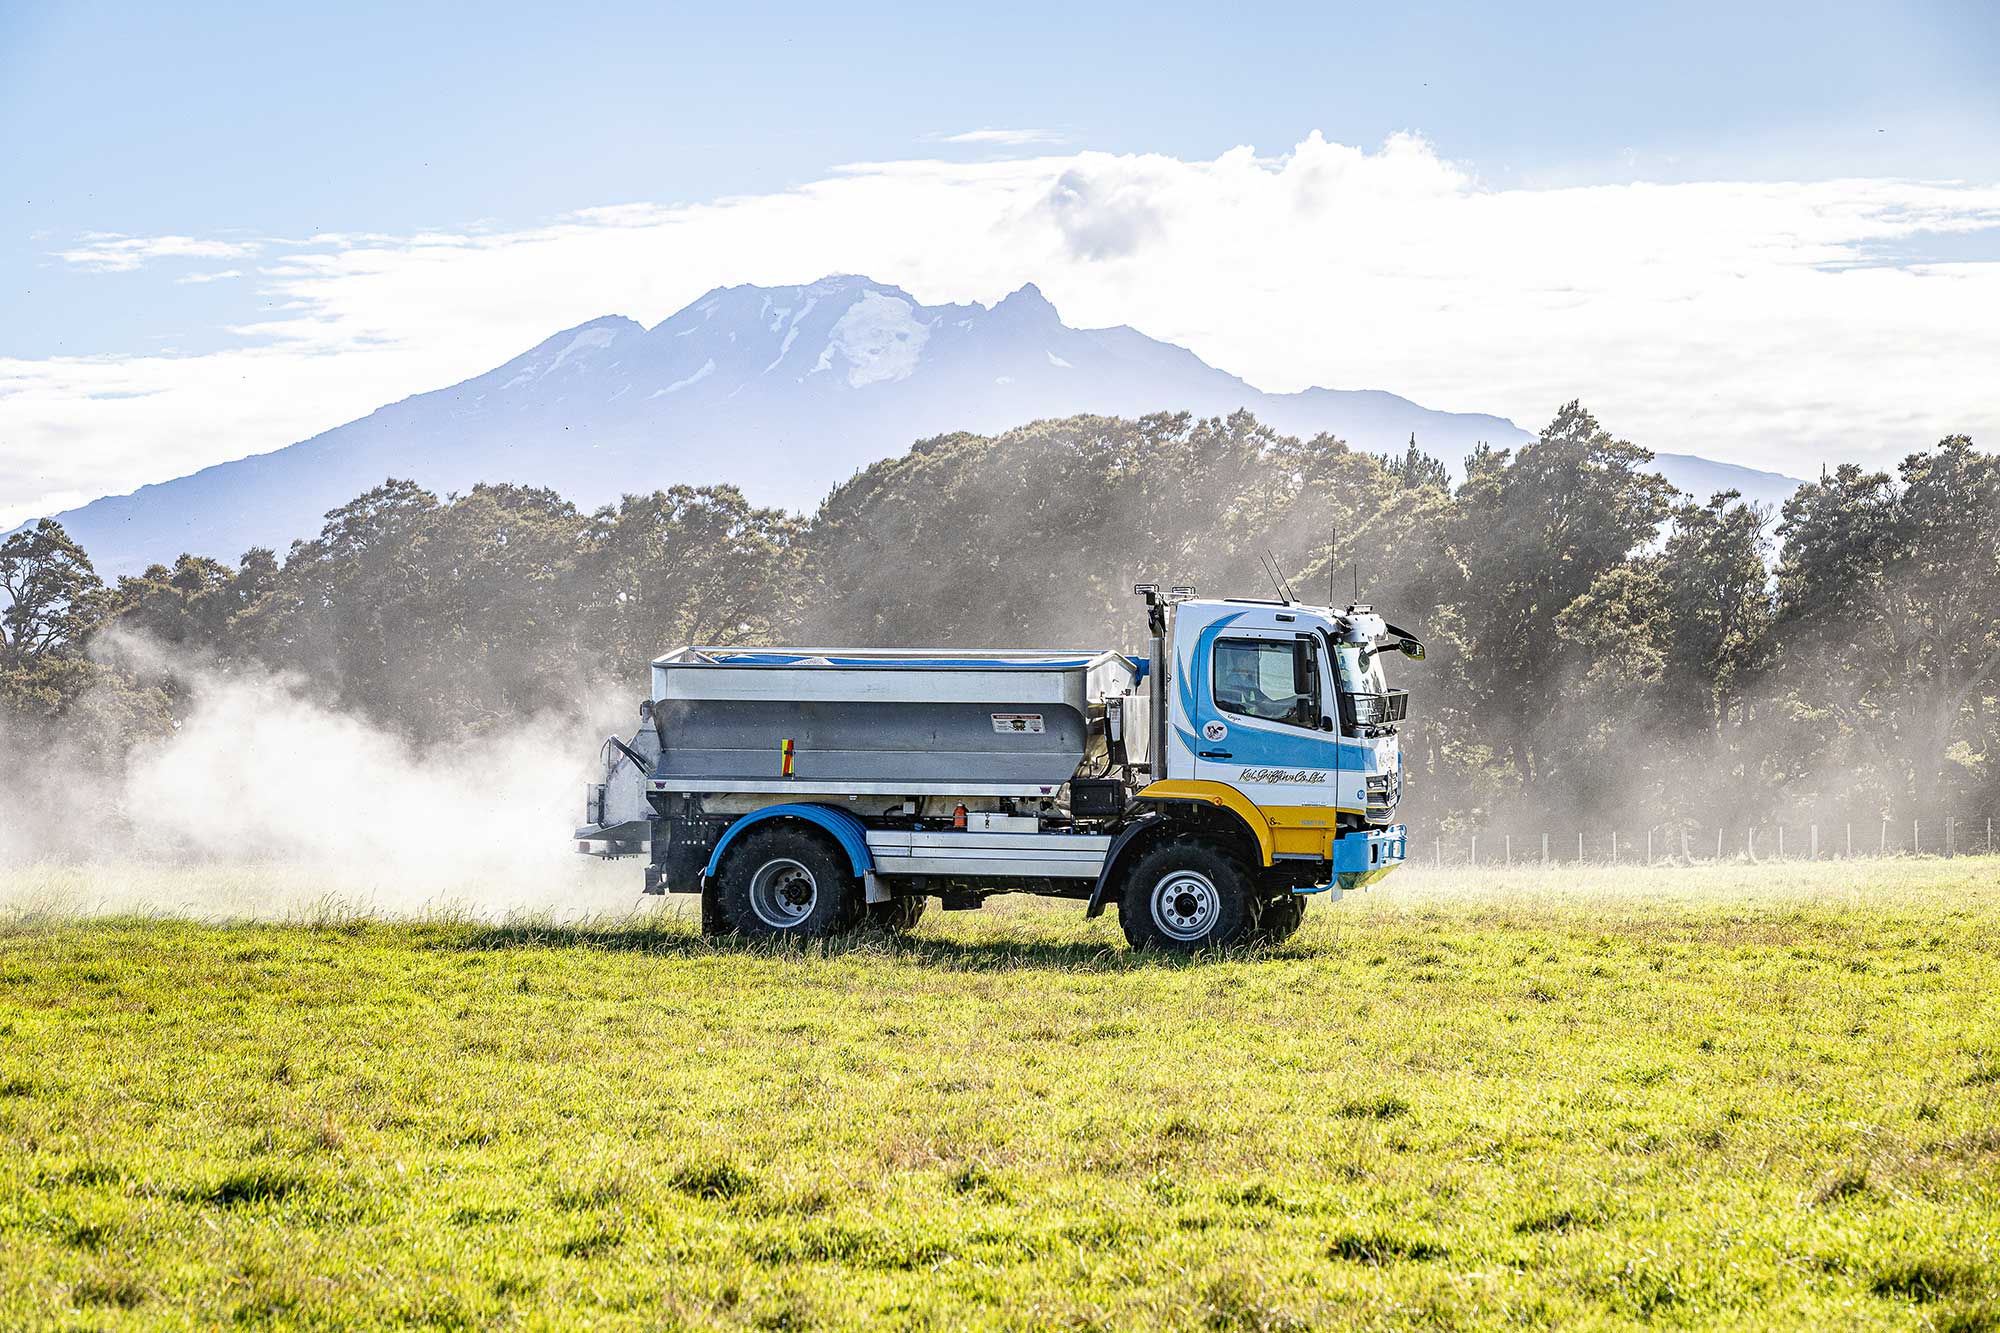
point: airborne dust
(266, 804)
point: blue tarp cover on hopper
(921, 663)
(928, 663)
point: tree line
(1598, 643)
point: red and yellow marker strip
(785, 749)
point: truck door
(1261, 712)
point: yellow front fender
(1218, 794)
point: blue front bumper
(1361, 858)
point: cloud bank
(103, 253)
(1774, 323)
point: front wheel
(787, 883)
(1187, 895)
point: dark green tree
(689, 565)
(1889, 622)
(1418, 470)
(1528, 534)
(54, 599)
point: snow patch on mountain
(881, 339)
(585, 341)
(792, 333)
(707, 369)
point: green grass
(1745, 1096)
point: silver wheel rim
(1186, 905)
(783, 893)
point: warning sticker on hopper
(1018, 722)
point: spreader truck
(1247, 763)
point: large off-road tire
(898, 914)
(784, 881)
(1186, 895)
(1280, 918)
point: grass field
(1749, 1096)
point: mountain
(784, 391)
(1703, 477)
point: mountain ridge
(783, 391)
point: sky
(1771, 238)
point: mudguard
(1130, 831)
(1223, 797)
(850, 832)
(1217, 795)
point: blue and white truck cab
(1208, 789)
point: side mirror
(1326, 724)
(1411, 649)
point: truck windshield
(1356, 678)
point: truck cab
(1207, 789)
(1288, 705)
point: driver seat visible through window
(1273, 679)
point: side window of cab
(1276, 680)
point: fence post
(1649, 846)
(1510, 849)
(1545, 841)
(1882, 847)
(1950, 827)
(1472, 858)
(1718, 842)
(1437, 851)
(1850, 840)
(1579, 846)
(1781, 842)
(1614, 846)
(1916, 839)
(1989, 835)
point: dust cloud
(265, 803)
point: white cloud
(1746, 321)
(1003, 138)
(106, 253)
(12, 516)
(188, 279)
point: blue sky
(245, 130)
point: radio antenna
(1332, 570)
(1271, 569)
(1284, 584)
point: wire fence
(1675, 844)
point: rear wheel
(787, 883)
(1186, 895)
(1280, 918)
